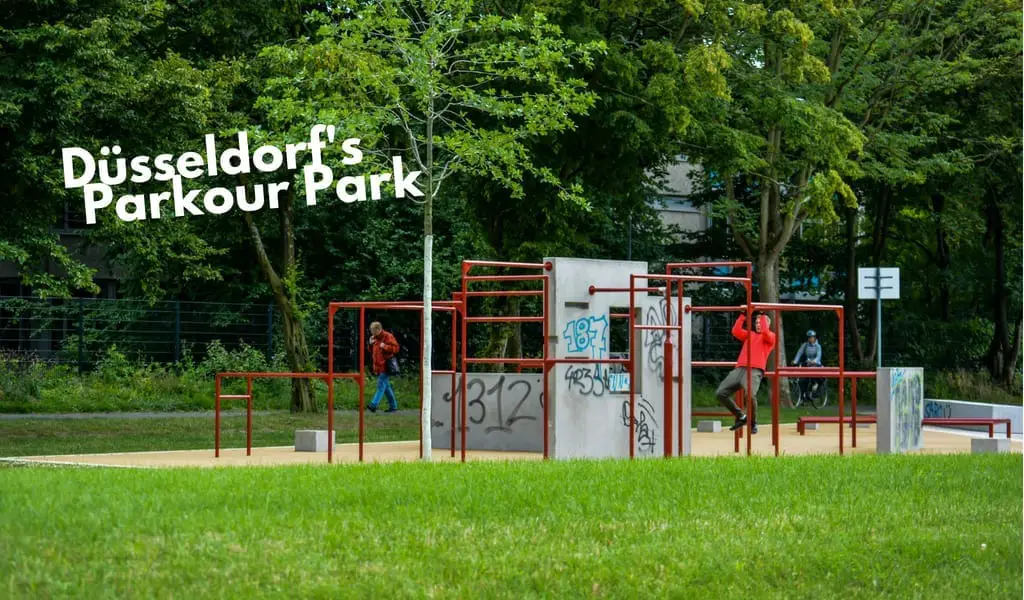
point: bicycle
(817, 391)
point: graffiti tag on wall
(588, 335)
(906, 399)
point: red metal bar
(462, 397)
(710, 265)
(505, 361)
(504, 319)
(752, 399)
(234, 397)
(775, 391)
(667, 385)
(438, 305)
(361, 380)
(711, 414)
(248, 417)
(632, 370)
(216, 416)
(467, 265)
(766, 306)
(682, 351)
(502, 293)
(842, 360)
(455, 365)
(594, 290)
(545, 370)
(619, 316)
(330, 383)
(691, 278)
(741, 401)
(503, 277)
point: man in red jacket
(383, 346)
(757, 345)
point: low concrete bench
(944, 421)
(312, 440)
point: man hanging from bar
(760, 342)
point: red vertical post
(632, 364)
(775, 387)
(362, 378)
(668, 394)
(216, 416)
(462, 396)
(330, 383)
(853, 408)
(422, 335)
(752, 400)
(842, 379)
(455, 367)
(248, 416)
(682, 349)
(545, 406)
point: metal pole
(330, 381)
(878, 307)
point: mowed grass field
(800, 527)
(34, 437)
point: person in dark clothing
(757, 345)
(809, 355)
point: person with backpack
(384, 348)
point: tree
(458, 92)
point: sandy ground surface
(823, 441)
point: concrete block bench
(312, 440)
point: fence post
(81, 335)
(270, 331)
(177, 331)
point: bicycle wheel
(794, 392)
(819, 398)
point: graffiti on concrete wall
(588, 335)
(654, 340)
(646, 425)
(906, 397)
(496, 404)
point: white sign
(874, 283)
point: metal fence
(79, 331)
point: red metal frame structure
(465, 295)
(360, 378)
(748, 288)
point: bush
(972, 386)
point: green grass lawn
(801, 527)
(33, 437)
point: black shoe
(753, 428)
(372, 409)
(391, 410)
(740, 422)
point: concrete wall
(504, 412)
(900, 409)
(590, 419)
(975, 410)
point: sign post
(878, 283)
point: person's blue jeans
(384, 387)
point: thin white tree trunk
(428, 341)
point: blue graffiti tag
(588, 334)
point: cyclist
(809, 355)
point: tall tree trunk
(296, 347)
(1000, 350)
(428, 291)
(850, 291)
(767, 275)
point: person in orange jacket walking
(384, 347)
(757, 345)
